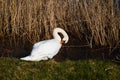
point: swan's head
(56, 36)
(65, 39)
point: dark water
(66, 52)
(88, 53)
(71, 53)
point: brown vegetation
(95, 22)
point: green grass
(14, 69)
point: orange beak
(62, 42)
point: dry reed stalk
(95, 21)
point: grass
(14, 69)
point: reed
(95, 21)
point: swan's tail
(28, 58)
(31, 58)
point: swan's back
(47, 47)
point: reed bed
(23, 22)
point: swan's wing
(48, 48)
(39, 43)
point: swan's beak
(62, 42)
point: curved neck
(56, 35)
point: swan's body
(47, 49)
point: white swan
(47, 49)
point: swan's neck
(56, 35)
